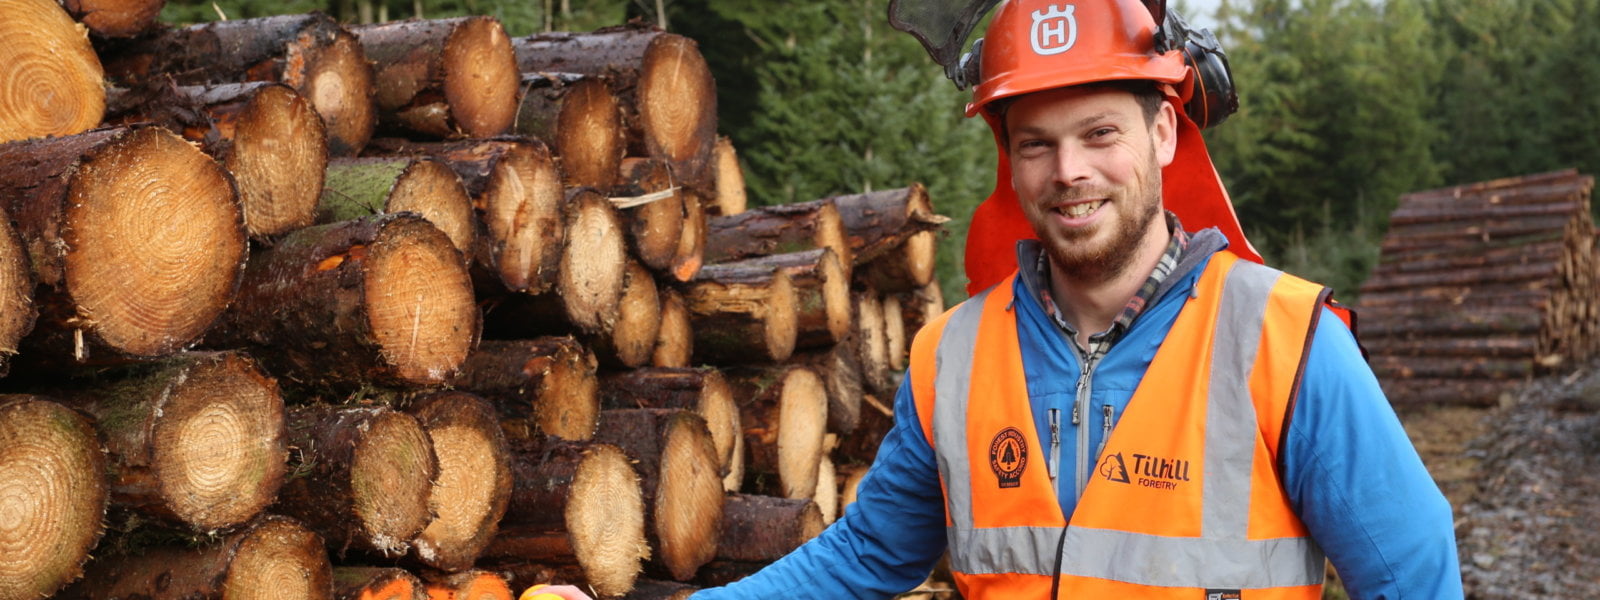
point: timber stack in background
(298, 309)
(1480, 286)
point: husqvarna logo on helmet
(1054, 30)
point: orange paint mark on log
(395, 589)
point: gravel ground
(1525, 487)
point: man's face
(1086, 165)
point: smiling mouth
(1080, 209)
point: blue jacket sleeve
(888, 540)
(1359, 486)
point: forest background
(1345, 104)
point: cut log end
(522, 210)
(51, 466)
(691, 252)
(419, 301)
(827, 494)
(830, 233)
(469, 585)
(731, 197)
(568, 405)
(593, 262)
(151, 285)
(391, 478)
(116, 18)
(280, 151)
(17, 312)
(802, 426)
(474, 484)
(633, 337)
(743, 314)
(53, 80)
(655, 228)
(431, 189)
(279, 559)
(376, 583)
(589, 134)
(722, 416)
(688, 507)
(339, 82)
(219, 442)
(481, 78)
(606, 520)
(675, 342)
(678, 102)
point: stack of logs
(1481, 285)
(301, 310)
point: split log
(53, 466)
(197, 439)
(577, 503)
(827, 494)
(660, 590)
(310, 52)
(691, 253)
(784, 412)
(654, 227)
(581, 120)
(116, 271)
(476, 584)
(731, 198)
(52, 79)
(360, 187)
(872, 336)
(362, 477)
(474, 484)
(448, 78)
(376, 583)
(274, 558)
(393, 283)
(766, 528)
(544, 386)
(896, 343)
(516, 190)
(701, 390)
(777, 230)
(588, 290)
(631, 340)
(17, 312)
(267, 135)
(742, 313)
(839, 367)
(823, 312)
(675, 342)
(680, 480)
(663, 84)
(115, 18)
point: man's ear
(1164, 133)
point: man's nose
(1072, 165)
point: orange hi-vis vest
(1185, 500)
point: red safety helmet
(1035, 45)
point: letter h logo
(1054, 30)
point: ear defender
(1214, 97)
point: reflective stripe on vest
(1221, 555)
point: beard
(1075, 254)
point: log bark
(905, 268)
(55, 79)
(861, 446)
(474, 484)
(361, 187)
(115, 18)
(543, 386)
(660, 590)
(376, 583)
(118, 276)
(742, 313)
(682, 488)
(675, 342)
(1451, 367)
(393, 283)
(516, 190)
(476, 584)
(872, 335)
(663, 84)
(731, 197)
(310, 52)
(701, 390)
(362, 477)
(581, 120)
(1494, 347)
(892, 233)
(588, 291)
(823, 312)
(266, 134)
(449, 78)
(1456, 392)
(766, 528)
(17, 312)
(784, 412)
(839, 367)
(197, 439)
(577, 503)
(776, 230)
(655, 227)
(250, 563)
(52, 456)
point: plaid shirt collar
(1099, 343)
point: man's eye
(1102, 132)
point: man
(1125, 409)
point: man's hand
(554, 592)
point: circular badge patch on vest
(1008, 456)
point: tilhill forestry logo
(1147, 471)
(1008, 457)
